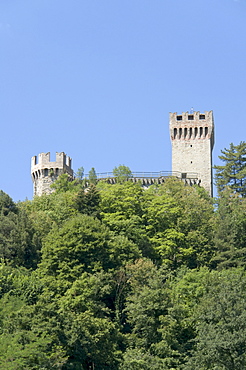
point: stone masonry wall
(44, 172)
(192, 137)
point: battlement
(43, 159)
(192, 126)
(44, 172)
(192, 118)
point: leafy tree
(221, 324)
(16, 234)
(122, 173)
(153, 329)
(82, 244)
(24, 251)
(6, 204)
(88, 201)
(92, 176)
(161, 215)
(47, 211)
(179, 223)
(139, 359)
(63, 184)
(80, 173)
(229, 231)
(233, 172)
(91, 336)
(122, 211)
(23, 344)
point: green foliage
(82, 244)
(16, 234)
(88, 201)
(154, 329)
(233, 172)
(63, 184)
(122, 173)
(92, 176)
(80, 173)
(117, 277)
(24, 345)
(230, 231)
(6, 204)
(48, 211)
(179, 223)
(138, 359)
(221, 324)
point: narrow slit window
(206, 131)
(180, 133)
(200, 135)
(196, 131)
(175, 133)
(185, 132)
(190, 132)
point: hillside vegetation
(120, 278)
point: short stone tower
(192, 136)
(44, 172)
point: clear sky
(98, 78)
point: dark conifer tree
(233, 173)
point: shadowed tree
(233, 172)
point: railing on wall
(149, 175)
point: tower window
(202, 116)
(206, 131)
(179, 118)
(190, 117)
(180, 133)
(46, 172)
(185, 132)
(190, 132)
(196, 131)
(175, 133)
(200, 132)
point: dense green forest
(117, 277)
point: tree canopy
(233, 172)
(97, 276)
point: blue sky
(98, 78)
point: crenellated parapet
(44, 172)
(192, 126)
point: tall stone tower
(192, 136)
(44, 172)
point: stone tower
(192, 137)
(44, 172)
